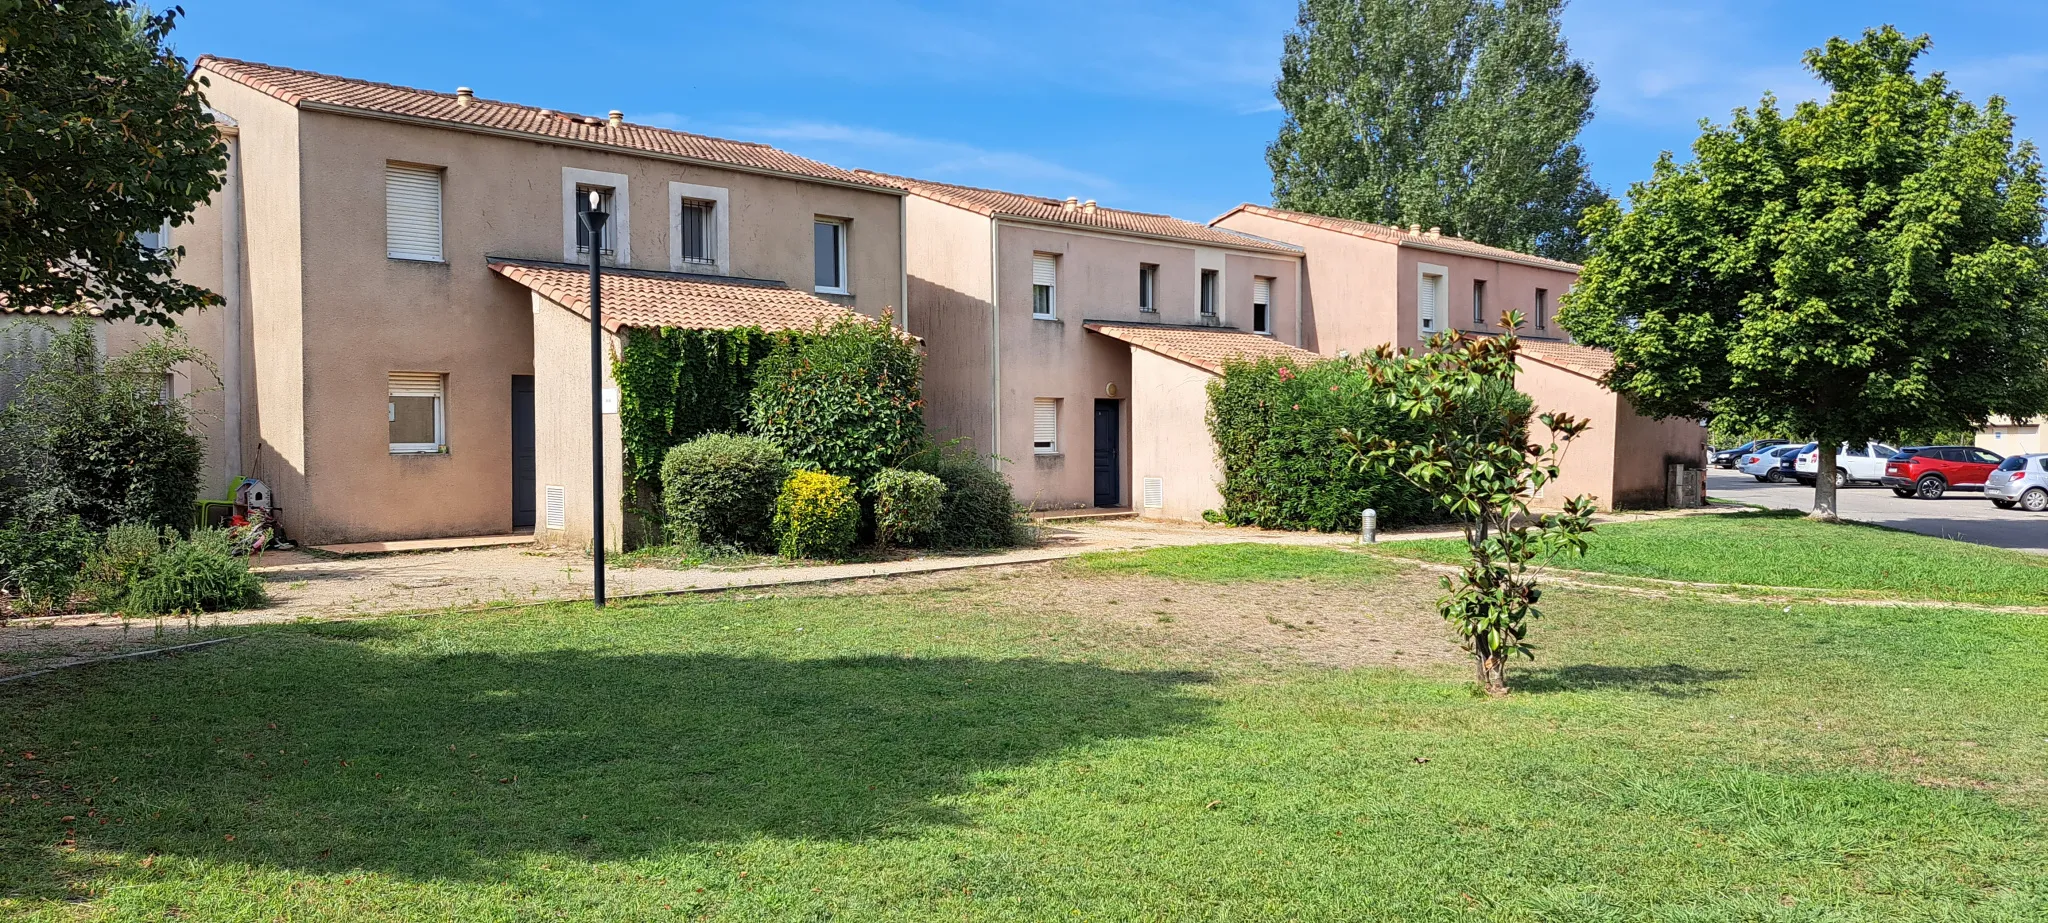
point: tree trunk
(1492, 667)
(1824, 505)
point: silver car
(1763, 463)
(2022, 481)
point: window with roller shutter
(412, 212)
(1045, 426)
(1429, 299)
(1045, 271)
(415, 412)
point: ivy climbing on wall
(675, 385)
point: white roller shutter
(1044, 269)
(412, 210)
(1262, 291)
(416, 384)
(1045, 425)
(1426, 301)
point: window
(695, 232)
(412, 212)
(608, 236)
(1262, 304)
(1148, 288)
(1429, 299)
(1479, 303)
(829, 238)
(415, 412)
(155, 239)
(1542, 308)
(1045, 273)
(1208, 293)
(1045, 426)
(614, 199)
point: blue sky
(1160, 105)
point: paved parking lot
(1959, 515)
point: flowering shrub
(843, 399)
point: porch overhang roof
(644, 299)
(1207, 348)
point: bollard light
(1368, 527)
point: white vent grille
(1045, 425)
(558, 508)
(412, 210)
(1155, 493)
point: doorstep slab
(428, 544)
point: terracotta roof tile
(638, 298)
(1205, 347)
(1571, 357)
(992, 203)
(299, 88)
(1394, 235)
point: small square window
(829, 244)
(415, 413)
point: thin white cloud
(926, 158)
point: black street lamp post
(593, 226)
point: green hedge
(719, 490)
(843, 399)
(676, 385)
(1275, 423)
(906, 506)
(817, 516)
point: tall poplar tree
(1869, 266)
(1460, 114)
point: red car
(1930, 470)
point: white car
(1763, 465)
(1852, 463)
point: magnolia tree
(1868, 266)
(1481, 467)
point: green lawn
(1781, 548)
(1236, 563)
(903, 757)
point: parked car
(1853, 464)
(1928, 471)
(1788, 462)
(1729, 458)
(1763, 464)
(2022, 481)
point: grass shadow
(323, 755)
(1670, 680)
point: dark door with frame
(522, 452)
(1109, 469)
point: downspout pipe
(995, 340)
(231, 293)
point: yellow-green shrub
(816, 516)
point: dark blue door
(522, 451)
(1109, 467)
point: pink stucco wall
(1170, 437)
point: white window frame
(1266, 330)
(1209, 293)
(721, 225)
(440, 251)
(1433, 323)
(440, 443)
(620, 224)
(1052, 289)
(1148, 288)
(845, 286)
(1038, 405)
(163, 237)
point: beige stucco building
(387, 377)
(1008, 292)
(1367, 284)
(2008, 436)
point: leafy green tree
(102, 138)
(1460, 114)
(1481, 467)
(1868, 267)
